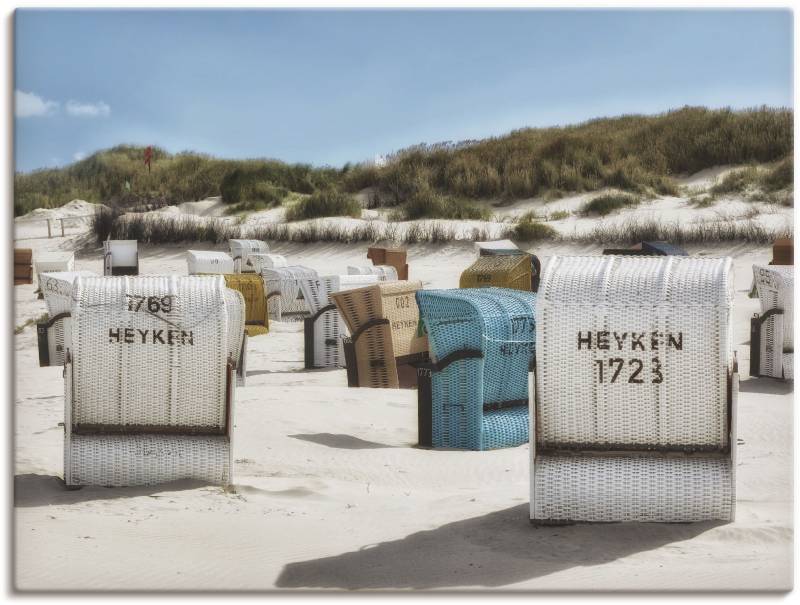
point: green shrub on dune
(327, 202)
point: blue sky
(326, 87)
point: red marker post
(148, 156)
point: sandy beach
(331, 492)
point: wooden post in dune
(62, 226)
(49, 234)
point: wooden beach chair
(23, 266)
(634, 408)
(396, 257)
(384, 342)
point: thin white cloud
(28, 104)
(78, 156)
(88, 110)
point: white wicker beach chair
(121, 257)
(285, 301)
(324, 329)
(260, 261)
(52, 263)
(55, 335)
(150, 381)
(208, 262)
(383, 272)
(633, 417)
(772, 331)
(241, 249)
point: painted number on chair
(150, 304)
(641, 369)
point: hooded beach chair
(52, 263)
(23, 266)
(500, 271)
(385, 341)
(208, 262)
(771, 331)
(473, 394)
(324, 329)
(251, 286)
(285, 300)
(260, 261)
(120, 257)
(383, 272)
(633, 417)
(396, 257)
(241, 249)
(55, 335)
(150, 381)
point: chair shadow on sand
(341, 441)
(31, 490)
(493, 550)
(766, 386)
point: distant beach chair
(260, 261)
(385, 341)
(251, 286)
(324, 329)
(23, 266)
(783, 251)
(505, 247)
(149, 382)
(473, 394)
(241, 249)
(772, 331)
(513, 271)
(50, 263)
(396, 257)
(634, 412)
(208, 262)
(54, 336)
(383, 272)
(120, 257)
(285, 300)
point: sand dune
(331, 492)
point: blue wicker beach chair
(474, 393)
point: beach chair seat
(150, 381)
(285, 300)
(120, 257)
(241, 249)
(474, 392)
(633, 412)
(513, 271)
(383, 272)
(251, 287)
(52, 263)
(54, 336)
(324, 328)
(208, 262)
(772, 330)
(384, 342)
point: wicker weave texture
(208, 262)
(57, 288)
(285, 300)
(634, 351)
(375, 359)
(329, 327)
(129, 460)
(632, 488)
(775, 287)
(241, 249)
(235, 307)
(251, 287)
(399, 306)
(384, 272)
(500, 324)
(150, 351)
(500, 272)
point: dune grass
(529, 229)
(328, 202)
(609, 203)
